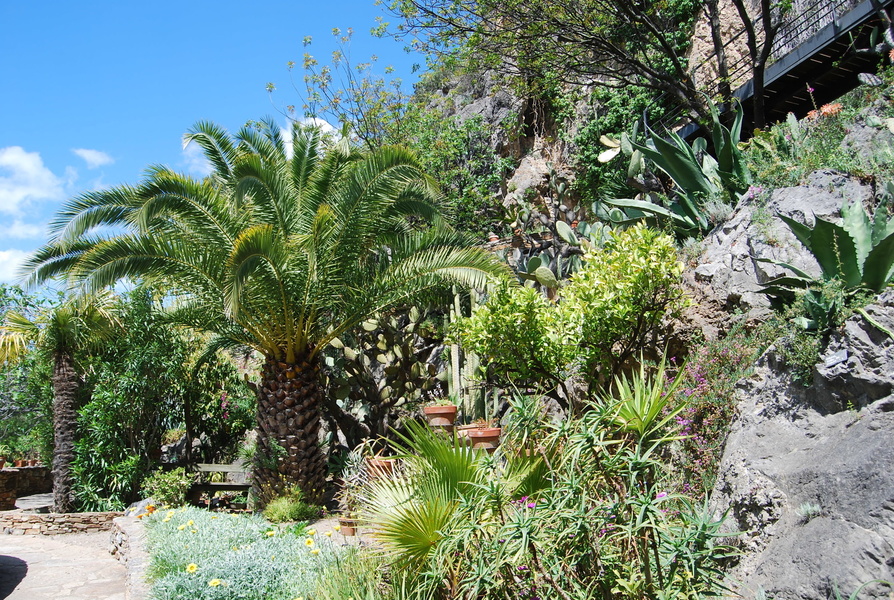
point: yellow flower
(336, 527)
(170, 513)
(308, 542)
(195, 530)
(190, 522)
(150, 508)
(192, 568)
(328, 534)
(311, 532)
(235, 547)
(315, 551)
(215, 582)
(166, 519)
(271, 533)
(214, 517)
(181, 527)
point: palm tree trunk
(65, 418)
(289, 452)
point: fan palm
(75, 324)
(285, 246)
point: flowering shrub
(708, 393)
(197, 555)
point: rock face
(728, 267)
(807, 474)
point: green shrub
(611, 309)
(167, 487)
(290, 507)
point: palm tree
(76, 324)
(283, 248)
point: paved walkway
(75, 566)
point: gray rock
(827, 445)
(729, 266)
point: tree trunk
(65, 419)
(289, 415)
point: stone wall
(34, 480)
(127, 544)
(16, 482)
(21, 523)
(8, 480)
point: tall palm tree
(287, 245)
(76, 324)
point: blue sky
(91, 93)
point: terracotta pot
(2, 463)
(348, 526)
(380, 467)
(19, 463)
(440, 417)
(33, 462)
(485, 438)
(462, 433)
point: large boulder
(806, 474)
(728, 266)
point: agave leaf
(626, 146)
(856, 222)
(678, 164)
(801, 231)
(835, 251)
(877, 269)
(802, 274)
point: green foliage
(618, 301)
(289, 507)
(708, 401)
(606, 313)
(786, 153)
(167, 487)
(859, 252)
(143, 383)
(26, 393)
(698, 177)
(645, 403)
(386, 364)
(601, 527)
(200, 555)
(459, 155)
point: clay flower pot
(348, 526)
(485, 438)
(440, 417)
(2, 462)
(19, 463)
(380, 467)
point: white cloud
(195, 161)
(93, 158)
(10, 260)
(325, 126)
(22, 231)
(24, 178)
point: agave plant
(696, 174)
(859, 252)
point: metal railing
(805, 19)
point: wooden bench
(194, 495)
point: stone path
(74, 566)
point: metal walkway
(816, 47)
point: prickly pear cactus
(392, 362)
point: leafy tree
(142, 384)
(282, 249)
(58, 332)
